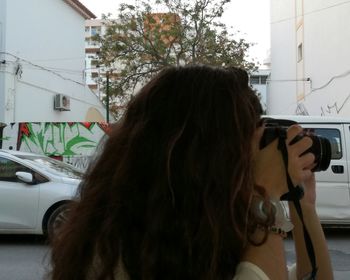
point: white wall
(281, 89)
(49, 34)
(327, 44)
(326, 41)
(261, 87)
(2, 48)
(262, 90)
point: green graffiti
(57, 139)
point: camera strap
(294, 194)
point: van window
(333, 135)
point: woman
(174, 193)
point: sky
(250, 17)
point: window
(300, 52)
(333, 135)
(57, 167)
(8, 169)
(94, 62)
(258, 79)
(254, 80)
(87, 28)
(95, 30)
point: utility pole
(107, 97)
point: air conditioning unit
(61, 102)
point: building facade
(42, 63)
(93, 71)
(310, 70)
(258, 81)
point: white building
(310, 69)
(258, 81)
(42, 58)
(93, 71)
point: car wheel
(57, 218)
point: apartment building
(259, 80)
(93, 71)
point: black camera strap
(294, 194)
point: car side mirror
(25, 177)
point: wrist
(309, 213)
(307, 204)
(306, 207)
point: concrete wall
(73, 142)
(318, 84)
(281, 88)
(327, 57)
(3, 8)
(45, 56)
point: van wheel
(57, 218)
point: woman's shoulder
(249, 271)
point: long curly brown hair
(169, 195)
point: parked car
(34, 192)
(332, 188)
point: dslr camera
(321, 146)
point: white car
(34, 192)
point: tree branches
(142, 40)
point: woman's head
(169, 194)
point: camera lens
(321, 148)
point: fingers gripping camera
(321, 147)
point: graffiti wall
(71, 142)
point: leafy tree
(141, 41)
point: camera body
(321, 147)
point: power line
(44, 68)
(311, 12)
(60, 59)
(63, 70)
(79, 73)
(288, 80)
(55, 92)
(346, 73)
(46, 89)
(312, 91)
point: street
(27, 257)
(22, 257)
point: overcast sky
(250, 17)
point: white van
(333, 188)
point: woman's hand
(300, 165)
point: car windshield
(54, 166)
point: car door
(332, 189)
(18, 201)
